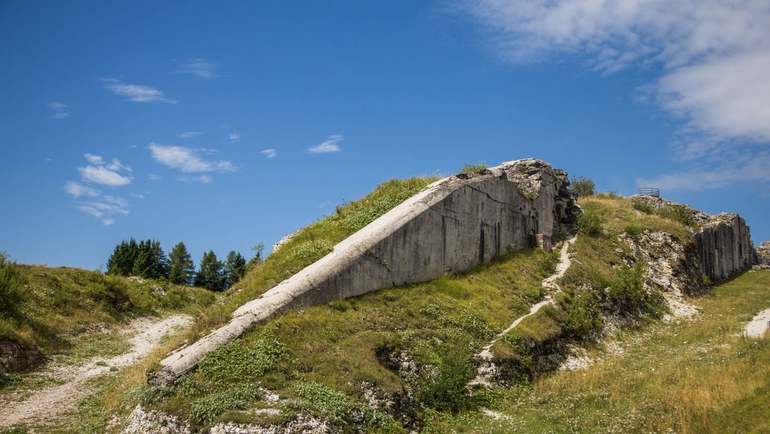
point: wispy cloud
(269, 153)
(93, 202)
(188, 160)
(331, 144)
(59, 109)
(200, 68)
(104, 173)
(234, 136)
(713, 56)
(189, 134)
(78, 190)
(136, 92)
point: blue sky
(223, 125)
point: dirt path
(50, 402)
(758, 325)
(486, 370)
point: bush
(582, 187)
(11, 284)
(580, 314)
(473, 168)
(679, 213)
(590, 222)
(643, 206)
(627, 296)
(446, 391)
(205, 410)
(241, 361)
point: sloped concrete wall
(455, 224)
(724, 247)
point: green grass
(415, 344)
(73, 313)
(697, 376)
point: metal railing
(650, 192)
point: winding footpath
(486, 371)
(48, 403)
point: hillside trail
(758, 326)
(46, 404)
(486, 370)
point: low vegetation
(414, 346)
(51, 311)
(582, 187)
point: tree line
(146, 259)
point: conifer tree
(182, 269)
(235, 268)
(151, 262)
(122, 260)
(211, 273)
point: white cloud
(154, 177)
(200, 68)
(77, 190)
(732, 171)
(59, 110)
(714, 58)
(189, 134)
(269, 153)
(136, 92)
(104, 207)
(94, 159)
(188, 160)
(103, 175)
(234, 136)
(331, 144)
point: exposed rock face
(455, 224)
(763, 254)
(723, 246)
(15, 357)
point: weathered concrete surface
(763, 254)
(453, 225)
(724, 247)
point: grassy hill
(48, 312)
(401, 358)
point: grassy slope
(69, 312)
(692, 377)
(322, 355)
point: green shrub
(473, 168)
(582, 187)
(241, 361)
(446, 391)
(11, 287)
(643, 206)
(678, 213)
(580, 314)
(627, 296)
(336, 407)
(311, 250)
(590, 222)
(205, 410)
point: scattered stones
(141, 421)
(300, 424)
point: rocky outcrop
(723, 247)
(15, 357)
(763, 254)
(453, 225)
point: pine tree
(211, 273)
(151, 262)
(235, 268)
(182, 269)
(122, 260)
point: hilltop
(608, 315)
